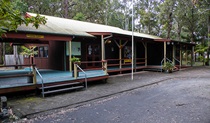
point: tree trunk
(169, 25)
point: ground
(151, 97)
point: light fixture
(168, 43)
(108, 41)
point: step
(64, 89)
(60, 85)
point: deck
(50, 77)
(55, 77)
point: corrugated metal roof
(61, 25)
(52, 28)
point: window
(42, 52)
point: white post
(132, 43)
(102, 48)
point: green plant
(168, 66)
(75, 60)
(29, 51)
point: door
(93, 54)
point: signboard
(128, 52)
(34, 36)
(75, 47)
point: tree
(147, 11)
(11, 17)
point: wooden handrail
(124, 59)
(17, 75)
(85, 62)
(21, 65)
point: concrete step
(63, 89)
(61, 85)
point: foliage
(11, 17)
(79, 16)
(175, 19)
(75, 59)
(168, 66)
(29, 51)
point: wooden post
(120, 54)
(174, 54)
(75, 71)
(145, 48)
(134, 60)
(70, 63)
(186, 59)
(105, 67)
(34, 73)
(180, 57)
(164, 52)
(64, 52)
(192, 55)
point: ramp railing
(37, 71)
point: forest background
(182, 20)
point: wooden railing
(102, 66)
(119, 65)
(124, 62)
(32, 73)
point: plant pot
(168, 71)
(73, 74)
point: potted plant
(75, 60)
(168, 67)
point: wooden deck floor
(8, 85)
(128, 68)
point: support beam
(102, 48)
(120, 54)
(192, 55)
(180, 56)
(174, 54)
(186, 59)
(134, 60)
(64, 58)
(75, 71)
(34, 73)
(145, 52)
(70, 63)
(164, 53)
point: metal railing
(178, 62)
(161, 63)
(85, 75)
(42, 81)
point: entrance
(93, 54)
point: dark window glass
(36, 55)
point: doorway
(93, 54)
